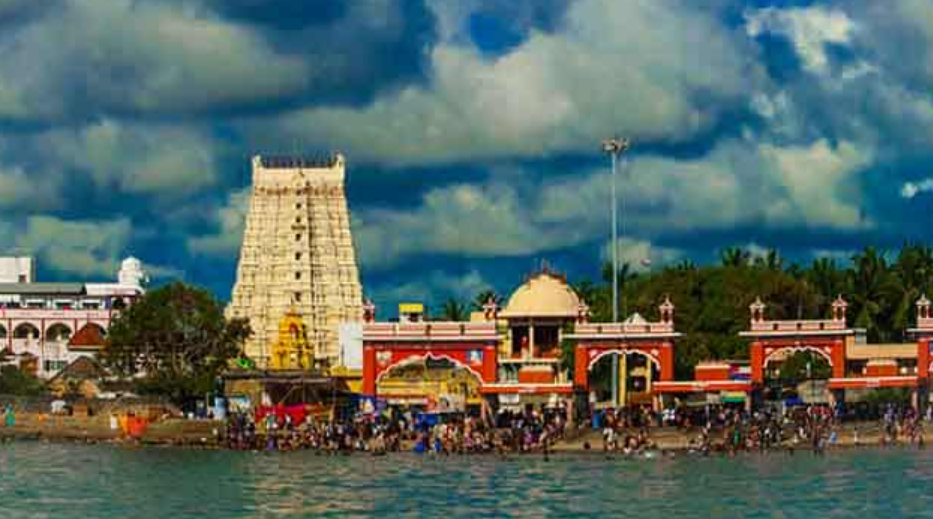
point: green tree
(734, 257)
(586, 290)
(483, 297)
(626, 276)
(874, 289)
(794, 367)
(771, 261)
(14, 381)
(827, 279)
(174, 341)
(453, 310)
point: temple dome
(544, 295)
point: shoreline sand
(178, 432)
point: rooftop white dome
(544, 295)
(132, 273)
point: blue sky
(471, 128)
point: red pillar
(923, 358)
(580, 368)
(758, 362)
(490, 364)
(667, 362)
(839, 358)
(369, 371)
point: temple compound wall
(297, 255)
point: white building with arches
(45, 326)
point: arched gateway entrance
(428, 363)
(649, 345)
(775, 340)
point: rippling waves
(40, 480)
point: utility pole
(615, 147)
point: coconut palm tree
(586, 291)
(827, 279)
(912, 269)
(483, 297)
(453, 310)
(686, 266)
(873, 288)
(734, 257)
(770, 261)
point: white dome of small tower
(132, 273)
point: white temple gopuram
(297, 255)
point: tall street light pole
(615, 147)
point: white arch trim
(26, 324)
(652, 358)
(59, 323)
(790, 350)
(418, 359)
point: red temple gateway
(637, 341)
(468, 346)
(856, 366)
(774, 340)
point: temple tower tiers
(297, 255)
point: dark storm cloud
(164, 60)
(20, 11)
(283, 14)
(497, 27)
(358, 49)
(479, 119)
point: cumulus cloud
(121, 56)
(83, 247)
(432, 288)
(738, 184)
(164, 161)
(229, 219)
(147, 159)
(185, 58)
(110, 100)
(810, 29)
(912, 189)
(607, 68)
(21, 191)
(641, 255)
(14, 10)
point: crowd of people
(716, 428)
(449, 433)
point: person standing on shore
(9, 417)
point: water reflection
(75, 481)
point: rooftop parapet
(761, 326)
(633, 327)
(623, 328)
(300, 162)
(430, 331)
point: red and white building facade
(46, 326)
(514, 353)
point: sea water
(39, 480)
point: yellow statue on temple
(291, 350)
